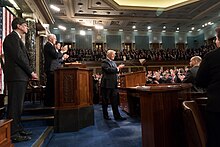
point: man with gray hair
(52, 59)
(109, 83)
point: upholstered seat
(194, 125)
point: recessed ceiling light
(80, 4)
(98, 3)
(55, 8)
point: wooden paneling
(160, 114)
(73, 99)
(5, 133)
(130, 80)
(73, 87)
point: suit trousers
(49, 93)
(112, 95)
(213, 128)
(16, 94)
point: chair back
(194, 125)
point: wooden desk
(129, 80)
(161, 118)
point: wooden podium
(161, 118)
(73, 99)
(130, 80)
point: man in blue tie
(109, 83)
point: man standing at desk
(109, 85)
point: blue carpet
(104, 133)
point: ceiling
(116, 14)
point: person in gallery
(109, 85)
(17, 72)
(208, 76)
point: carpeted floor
(105, 133)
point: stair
(35, 114)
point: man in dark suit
(17, 72)
(53, 59)
(208, 76)
(191, 73)
(109, 85)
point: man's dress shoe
(19, 138)
(25, 132)
(120, 118)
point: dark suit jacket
(109, 74)
(190, 78)
(52, 58)
(17, 66)
(208, 76)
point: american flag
(6, 18)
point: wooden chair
(35, 91)
(194, 125)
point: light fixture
(120, 30)
(149, 27)
(55, 8)
(98, 3)
(133, 27)
(62, 27)
(82, 32)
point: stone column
(30, 42)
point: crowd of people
(151, 54)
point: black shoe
(25, 132)
(107, 118)
(120, 118)
(19, 138)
